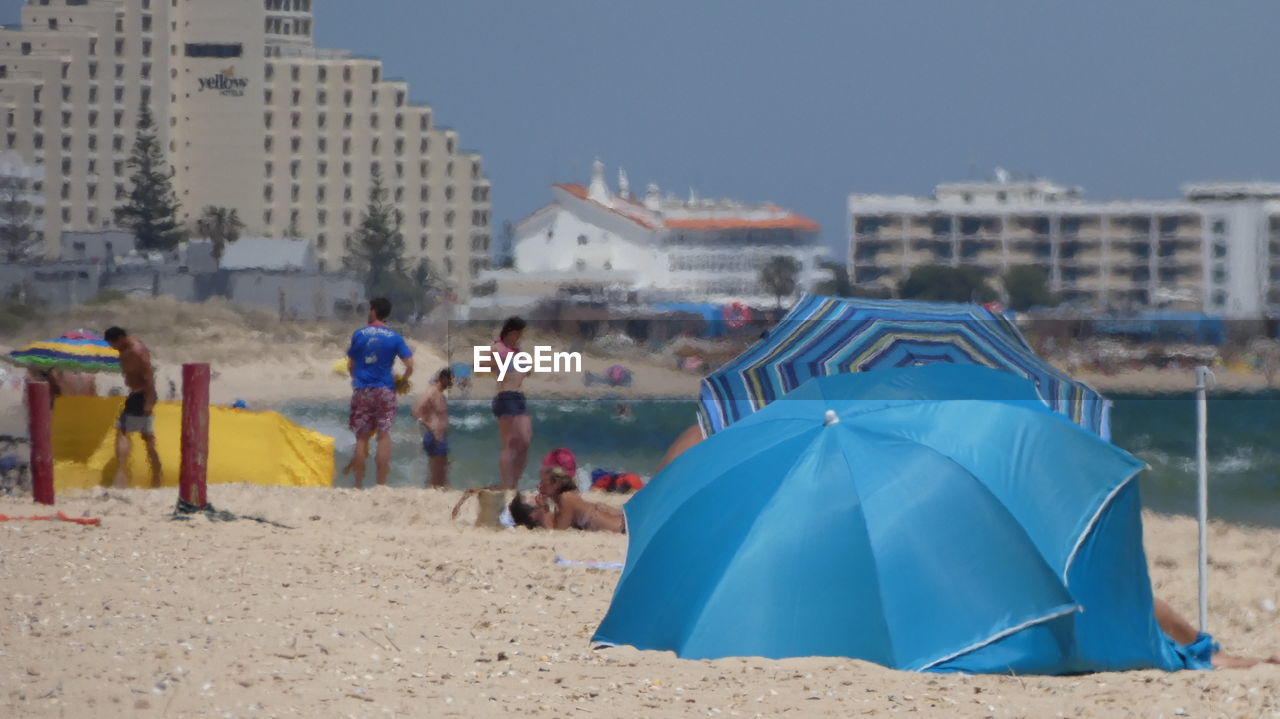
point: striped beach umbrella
(77, 351)
(826, 335)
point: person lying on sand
(1171, 623)
(559, 504)
(1181, 631)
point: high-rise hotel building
(251, 115)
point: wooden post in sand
(195, 434)
(39, 422)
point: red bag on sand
(628, 483)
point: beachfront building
(594, 241)
(1215, 251)
(251, 115)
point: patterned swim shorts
(373, 409)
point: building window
(93, 94)
(146, 23)
(322, 98)
(422, 241)
(321, 243)
(211, 49)
(66, 142)
(267, 192)
(346, 99)
(374, 147)
(295, 73)
(424, 123)
(66, 168)
(267, 143)
(293, 169)
(93, 71)
(293, 193)
(295, 118)
(321, 120)
(582, 239)
(269, 71)
(322, 74)
(297, 97)
(146, 48)
(1219, 227)
(346, 146)
(266, 217)
(424, 168)
(373, 121)
(424, 218)
(448, 193)
(146, 70)
(346, 77)
(346, 194)
(266, 119)
(346, 218)
(399, 170)
(295, 144)
(266, 96)
(399, 145)
(117, 167)
(268, 168)
(448, 219)
(448, 242)
(424, 194)
(117, 143)
(66, 93)
(399, 194)
(119, 94)
(322, 217)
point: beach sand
(377, 604)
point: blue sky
(803, 101)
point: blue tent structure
(829, 335)
(937, 518)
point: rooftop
(656, 211)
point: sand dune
(376, 604)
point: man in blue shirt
(370, 361)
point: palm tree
(219, 225)
(780, 276)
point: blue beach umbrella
(823, 336)
(861, 519)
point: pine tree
(152, 210)
(377, 247)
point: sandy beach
(377, 604)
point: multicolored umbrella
(827, 335)
(77, 351)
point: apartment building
(1217, 250)
(251, 115)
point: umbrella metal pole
(1202, 488)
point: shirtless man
(432, 412)
(140, 378)
(515, 428)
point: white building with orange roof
(594, 240)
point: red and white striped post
(39, 427)
(195, 434)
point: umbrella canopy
(858, 520)
(77, 351)
(826, 335)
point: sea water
(1244, 444)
